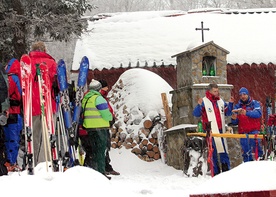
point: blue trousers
(249, 145)
(224, 158)
(12, 133)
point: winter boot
(217, 170)
(12, 167)
(88, 162)
(224, 167)
(112, 172)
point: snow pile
(136, 97)
(238, 179)
(48, 183)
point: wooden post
(167, 110)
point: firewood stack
(144, 144)
(134, 130)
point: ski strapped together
(79, 94)
(65, 111)
(64, 96)
(71, 119)
(26, 83)
(82, 80)
(269, 142)
(45, 133)
(49, 119)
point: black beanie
(103, 82)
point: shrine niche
(208, 66)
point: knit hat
(103, 82)
(243, 91)
(95, 85)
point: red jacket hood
(39, 54)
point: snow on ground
(138, 178)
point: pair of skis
(71, 119)
(269, 146)
(46, 113)
(48, 125)
(26, 83)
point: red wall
(267, 193)
(259, 79)
(111, 76)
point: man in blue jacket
(247, 115)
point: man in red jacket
(247, 115)
(38, 55)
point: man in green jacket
(96, 117)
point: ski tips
(61, 62)
(85, 61)
(25, 58)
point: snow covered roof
(153, 37)
(233, 11)
(197, 46)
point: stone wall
(189, 66)
(175, 140)
(182, 106)
(176, 137)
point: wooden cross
(202, 29)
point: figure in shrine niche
(208, 66)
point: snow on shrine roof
(153, 37)
(196, 46)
